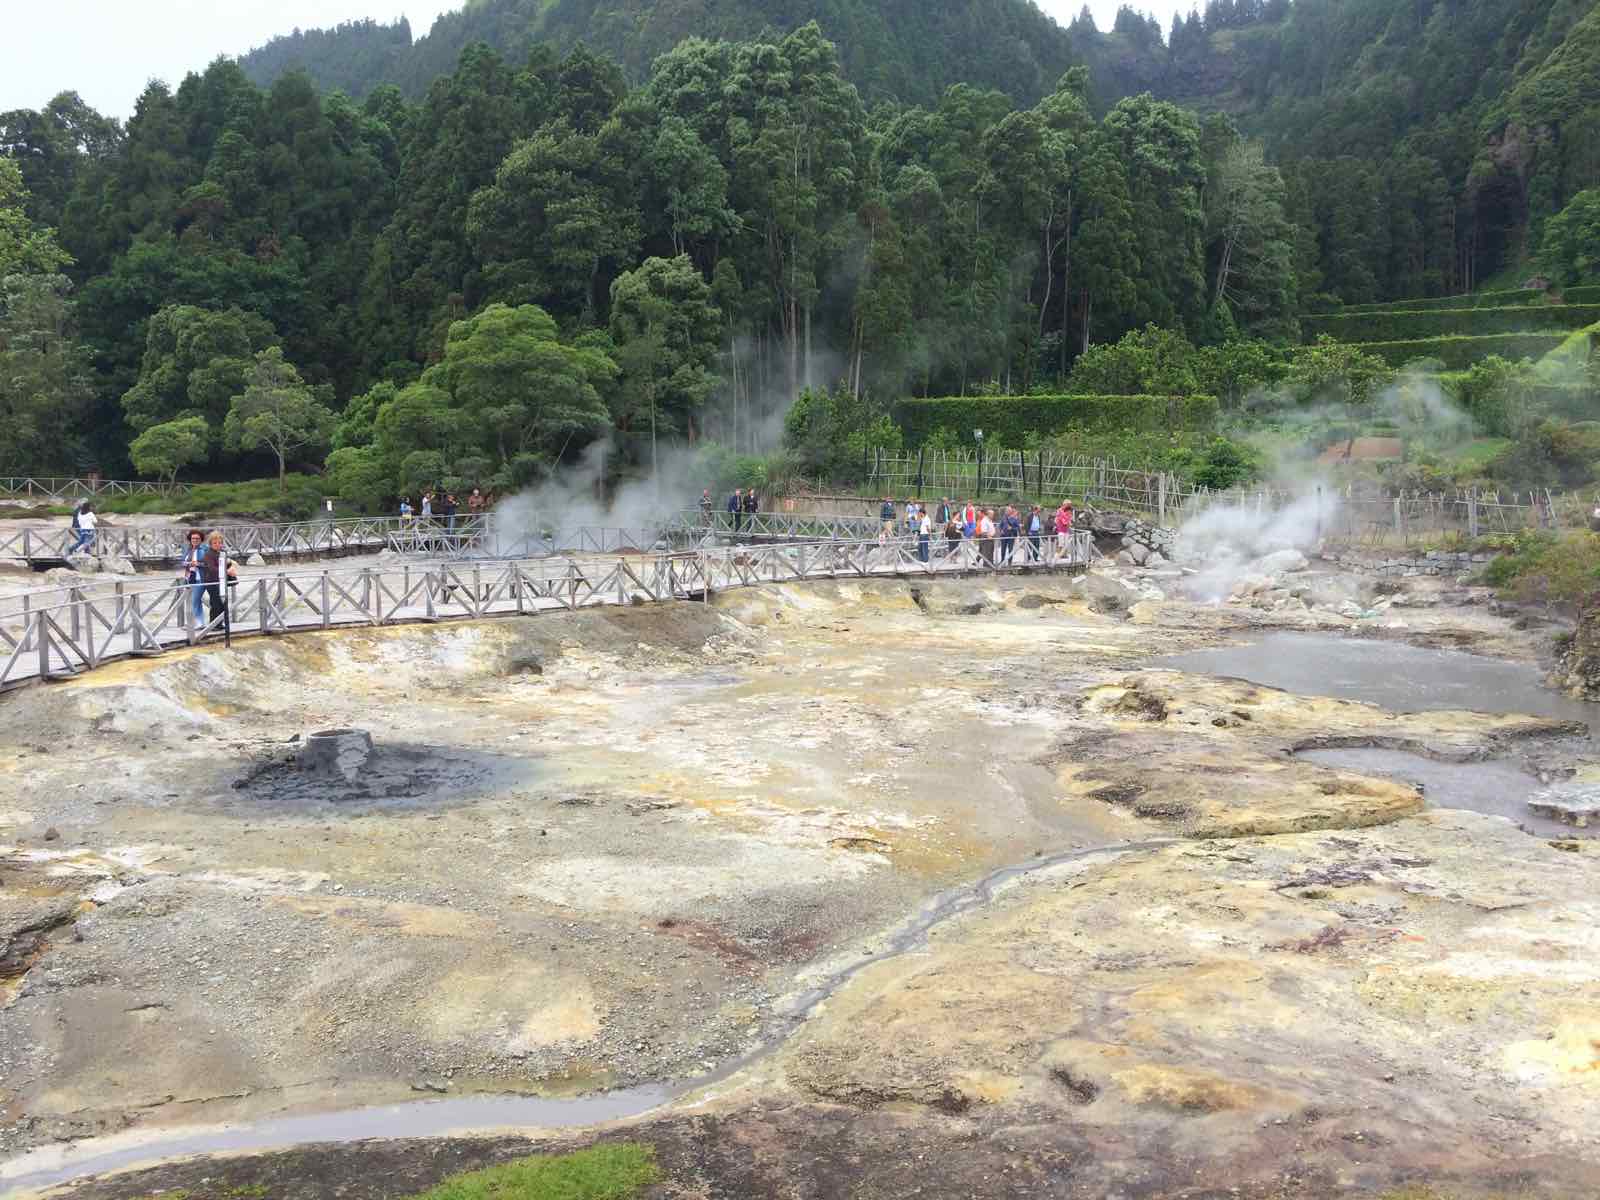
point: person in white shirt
(87, 523)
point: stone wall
(1431, 562)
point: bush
(1546, 568)
(1587, 294)
(1009, 420)
(1395, 326)
(1459, 353)
(1148, 361)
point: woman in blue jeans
(194, 576)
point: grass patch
(1473, 457)
(300, 500)
(598, 1173)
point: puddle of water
(1392, 675)
(56, 1164)
(1495, 787)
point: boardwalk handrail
(57, 488)
(165, 543)
(81, 632)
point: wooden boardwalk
(63, 632)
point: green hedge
(1459, 353)
(1464, 322)
(1588, 294)
(1470, 300)
(1574, 401)
(1007, 420)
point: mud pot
(843, 889)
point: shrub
(1546, 568)
(1008, 420)
(1587, 294)
(1395, 326)
(1148, 361)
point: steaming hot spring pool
(1406, 678)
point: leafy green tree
(1252, 242)
(46, 381)
(277, 410)
(195, 362)
(1233, 370)
(666, 332)
(1158, 145)
(1329, 371)
(164, 450)
(508, 399)
(357, 474)
(1570, 251)
(25, 248)
(556, 217)
(1148, 361)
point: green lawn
(599, 1173)
(1475, 455)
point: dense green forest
(506, 249)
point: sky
(107, 50)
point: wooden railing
(79, 629)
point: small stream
(49, 1166)
(1406, 678)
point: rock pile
(1144, 543)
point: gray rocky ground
(619, 846)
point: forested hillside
(477, 283)
(905, 50)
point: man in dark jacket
(736, 507)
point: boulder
(1156, 559)
(1125, 558)
(1350, 609)
(1572, 803)
(255, 560)
(1140, 554)
(1281, 562)
(115, 564)
(1108, 593)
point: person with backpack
(952, 535)
(706, 505)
